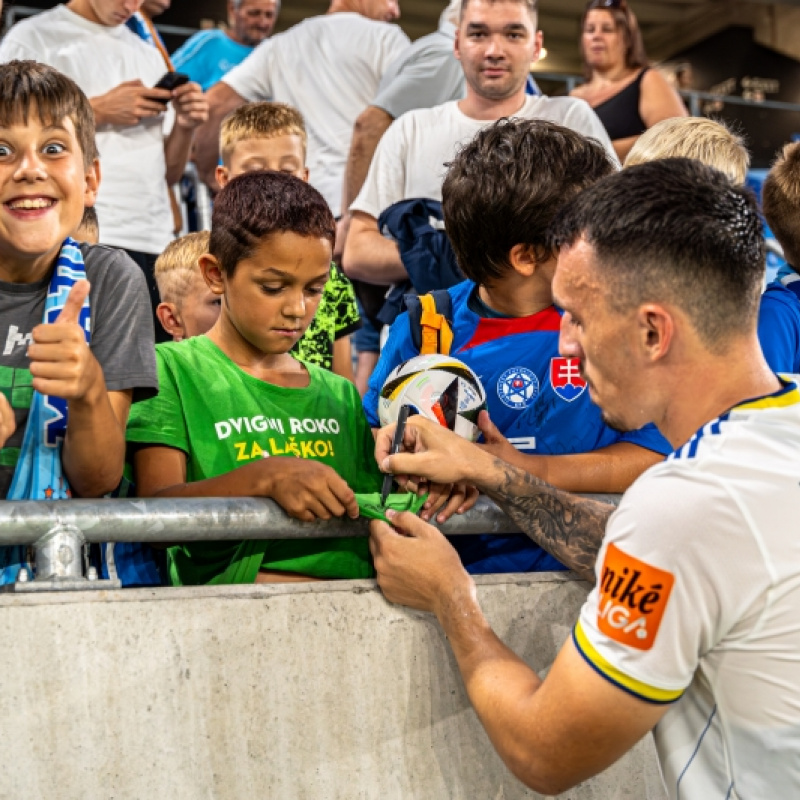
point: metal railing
(58, 530)
(695, 98)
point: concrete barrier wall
(317, 692)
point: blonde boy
(188, 307)
(713, 144)
(272, 136)
(702, 139)
(781, 201)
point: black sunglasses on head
(620, 4)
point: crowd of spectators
(338, 151)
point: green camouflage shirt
(337, 316)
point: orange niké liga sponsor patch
(633, 598)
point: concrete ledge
(287, 692)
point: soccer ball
(438, 387)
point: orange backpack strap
(436, 335)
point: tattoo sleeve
(569, 527)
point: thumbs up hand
(61, 362)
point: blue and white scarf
(39, 474)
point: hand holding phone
(171, 81)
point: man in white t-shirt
(496, 42)
(426, 74)
(327, 67)
(693, 626)
(88, 41)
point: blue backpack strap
(444, 307)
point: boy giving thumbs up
(76, 337)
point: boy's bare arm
(191, 111)
(94, 449)
(609, 469)
(569, 527)
(370, 256)
(62, 365)
(343, 358)
(8, 423)
(306, 490)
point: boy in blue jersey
(781, 204)
(500, 195)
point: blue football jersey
(536, 398)
(779, 328)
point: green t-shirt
(223, 418)
(337, 316)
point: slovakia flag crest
(565, 378)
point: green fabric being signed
(370, 504)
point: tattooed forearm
(570, 528)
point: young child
(78, 336)
(237, 415)
(780, 198)
(272, 136)
(501, 193)
(699, 138)
(715, 145)
(188, 307)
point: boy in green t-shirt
(237, 415)
(259, 136)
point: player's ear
(170, 318)
(656, 330)
(212, 273)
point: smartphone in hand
(170, 81)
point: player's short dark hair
(28, 87)
(505, 187)
(674, 231)
(257, 204)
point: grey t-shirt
(427, 74)
(122, 337)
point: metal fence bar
(694, 97)
(204, 519)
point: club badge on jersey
(518, 387)
(565, 378)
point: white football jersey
(697, 604)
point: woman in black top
(624, 92)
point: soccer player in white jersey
(693, 626)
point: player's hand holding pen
(425, 457)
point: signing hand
(416, 565)
(129, 103)
(191, 106)
(62, 365)
(431, 452)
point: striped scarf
(39, 474)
